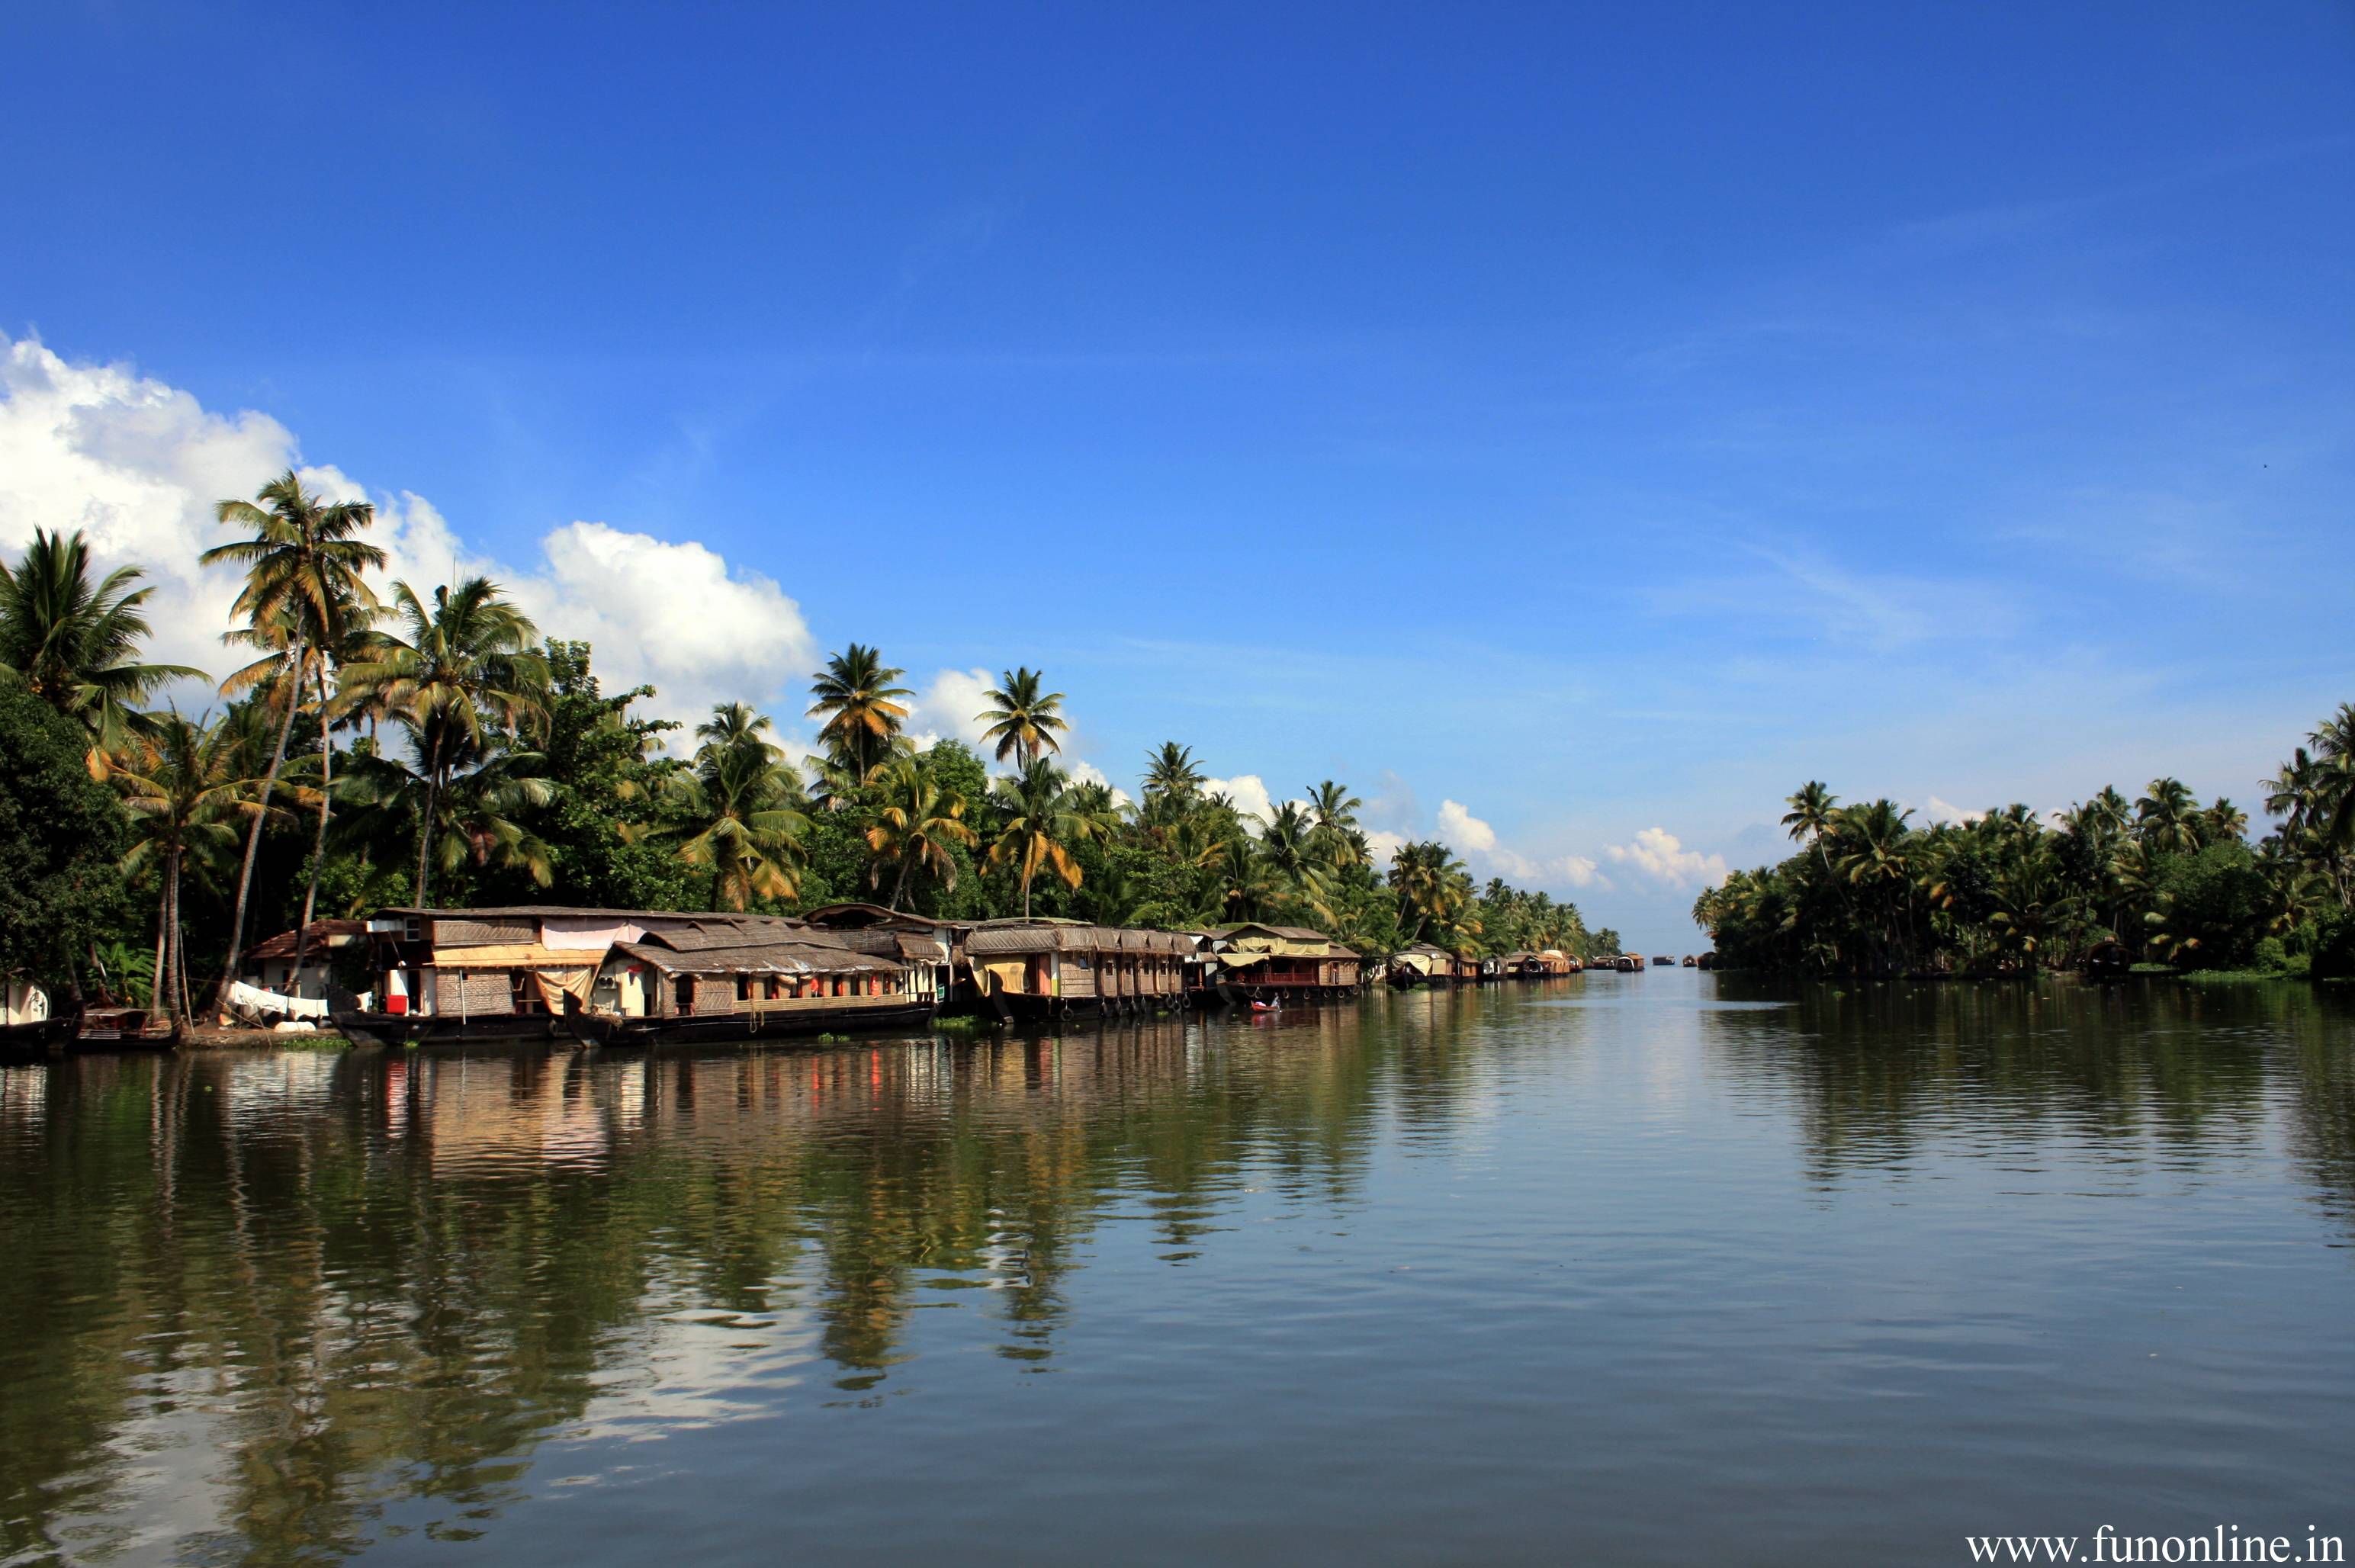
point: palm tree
(181, 785)
(1810, 816)
(302, 561)
(860, 705)
(73, 643)
(1334, 811)
(1042, 822)
(742, 808)
(1171, 773)
(470, 793)
(1023, 721)
(1877, 858)
(450, 670)
(2166, 818)
(917, 823)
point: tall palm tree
(1333, 811)
(741, 810)
(1877, 858)
(181, 785)
(302, 559)
(1026, 722)
(2166, 818)
(1041, 822)
(450, 671)
(1171, 773)
(74, 643)
(918, 821)
(860, 705)
(1810, 816)
(471, 795)
(340, 635)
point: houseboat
(1037, 970)
(29, 1025)
(1264, 963)
(541, 974)
(1423, 963)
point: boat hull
(28, 1042)
(515, 1029)
(756, 1029)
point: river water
(1631, 1269)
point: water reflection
(279, 1307)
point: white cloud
(947, 709)
(1581, 872)
(1247, 791)
(1941, 811)
(1088, 772)
(138, 464)
(1467, 832)
(1381, 844)
(1658, 855)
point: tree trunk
(261, 815)
(167, 1001)
(899, 883)
(425, 828)
(319, 846)
(155, 975)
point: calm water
(1630, 1269)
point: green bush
(2332, 953)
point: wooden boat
(123, 1029)
(2108, 960)
(39, 1038)
(1690, 961)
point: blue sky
(1599, 418)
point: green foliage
(62, 837)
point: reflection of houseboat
(1283, 964)
(1039, 969)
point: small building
(269, 964)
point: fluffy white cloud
(948, 709)
(1247, 791)
(138, 464)
(1581, 872)
(1467, 832)
(1658, 855)
(1381, 844)
(1088, 772)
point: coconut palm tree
(1041, 820)
(471, 791)
(1026, 722)
(2166, 818)
(1172, 773)
(1810, 816)
(860, 705)
(741, 810)
(74, 643)
(917, 823)
(302, 560)
(182, 786)
(1333, 811)
(450, 671)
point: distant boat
(1690, 961)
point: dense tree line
(393, 744)
(2161, 878)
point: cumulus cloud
(1658, 855)
(1088, 772)
(1581, 872)
(138, 466)
(947, 709)
(1247, 791)
(1381, 844)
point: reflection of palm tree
(1023, 721)
(860, 705)
(915, 826)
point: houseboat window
(744, 987)
(685, 989)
